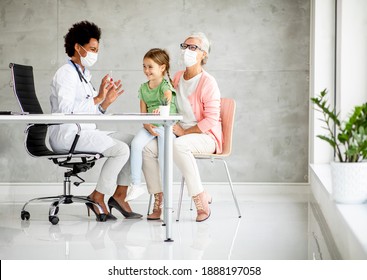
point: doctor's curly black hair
(81, 33)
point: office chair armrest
(77, 135)
(73, 145)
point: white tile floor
(273, 226)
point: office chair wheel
(24, 215)
(53, 220)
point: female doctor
(72, 93)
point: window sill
(347, 222)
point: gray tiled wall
(260, 57)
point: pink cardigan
(205, 102)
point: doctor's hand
(103, 89)
(114, 90)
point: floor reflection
(269, 229)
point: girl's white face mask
(189, 57)
(90, 59)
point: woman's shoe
(157, 208)
(99, 217)
(110, 217)
(202, 207)
(112, 203)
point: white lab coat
(69, 95)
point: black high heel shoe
(99, 217)
(110, 217)
(112, 203)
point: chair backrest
(35, 142)
(227, 114)
(24, 90)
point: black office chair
(35, 144)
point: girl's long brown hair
(161, 57)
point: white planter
(349, 182)
(164, 110)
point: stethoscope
(82, 78)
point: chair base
(56, 201)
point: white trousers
(116, 169)
(183, 149)
(141, 139)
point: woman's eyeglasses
(184, 46)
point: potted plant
(164, 107)
(349, 141)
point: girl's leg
(142, 138)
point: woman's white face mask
(189, 57)
(90, 59)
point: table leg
(168, 179)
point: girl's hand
(178, 130)
(150, 128)
(156, 111)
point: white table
(143, 118)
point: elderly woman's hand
(178, 130)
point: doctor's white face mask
(90, 59)
(189, 57)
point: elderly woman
(200, 131)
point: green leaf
(327, 139)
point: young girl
(151, 94)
